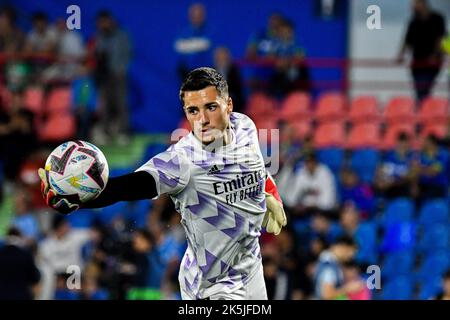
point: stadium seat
(365, 135)
(397, 211)
(329, 135)
(399, 288)
(392, 132)
(331, 107)
(58, 128)
(429, 288)
(434, 238)
(332, 157)
(398, 263)
(261, 106)
(296, 106)
(364, 109)
(366, 238)
(438, 129)
(434, 212)
(364, 162)
(301, 129)
(5, 97)
(400, 110)
(434, 265)
(33, 99)
(398, 236)
(59, 100)
(434, 110)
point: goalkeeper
(218, 183)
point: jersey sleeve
(171, 171)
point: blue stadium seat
(364, 163)
(137, 213)
(399, 236)
(397, 264)
(366, 238)
(81, 219)
(434, 238)
(399, 288)
(434, 264)
(107, 214)
(332, 157)
(429, 288)
(399, 210)
(434, 212)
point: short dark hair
(104, 13)
(403, 136)
(201, 78)
(345, 240)
(40, 16)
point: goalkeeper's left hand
(275, 218)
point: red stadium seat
(260, 105)
(392, 132)
(329, 135)
(434, 110)
(331, 107)
(364, 109)
(366, 135)
(400, 110)
(296, 106)
(301, 129)
(58, 128)
(437, 129)
(33, 99)
(59, 100)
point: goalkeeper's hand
(62, 203)
(275, 218)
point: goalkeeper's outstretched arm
(130, 187)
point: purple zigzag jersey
(220, 195)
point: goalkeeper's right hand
(61, 203)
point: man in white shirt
(313, 187)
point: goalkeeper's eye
(192, 111)
(212, 107)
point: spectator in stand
(19, 276)
(329, 278)
(12, 40)
(69, 50)
(290, 74)
(11, 37)
(43, 38)
(277, 280)
(17, 136)
(393, 178)
(432, 170)
(84, 102)
(424, 36)
(112, 53)
(352, 274)
(265, 42)
(445, 294)
(195, 43)
(224, 64)
(59, 250)
(354, 191)
(24, 219)
(313, 189)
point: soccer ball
(77, 168)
